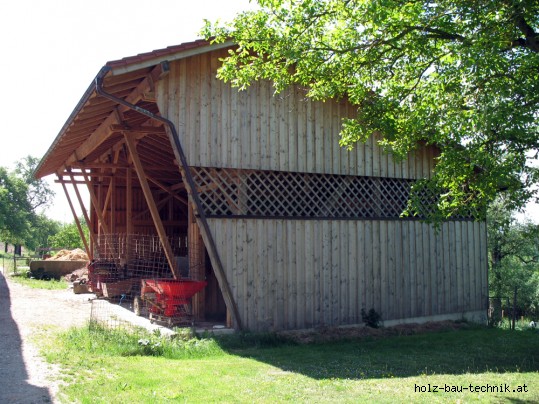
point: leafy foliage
(42, 229)
(457, 74)
(39, 192)
(68, 236)
(371, 318)
(16, 214)
(513, 257)
(21, 196)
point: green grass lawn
(105, 367)
(52, 284)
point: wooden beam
(177, 186)
(129, 201)
(166, 223)
(112, 204)
(96, 175)
(112, 186)
(205, 231)
(83, 166)
(129, 211)
(104, 130)
(107, 199)
(84, 211)
(168, 191)
(139, 169)
(96, 138)
(143, 129)
(158, 204)
(197, 262)
(95, 205)
(97, 165)
(77, 222)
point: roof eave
(119, 68)
(123, 66)
(39, 173)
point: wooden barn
(289, 230)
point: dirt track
(24, 376)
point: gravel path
(24, 376)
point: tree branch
(440, 34)
(531, 40)
(527, 261)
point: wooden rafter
(158, 204)
(98, 165)
(139, 169)
(168, 190)
(142, 129)
(97, 138)
(115, 118)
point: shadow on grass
(472, 350)
(13, 374)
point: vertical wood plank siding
(289, 274)
(221, 127)
(300, 274)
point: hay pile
(65, 255)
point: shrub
(371, 319)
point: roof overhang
(130, 78)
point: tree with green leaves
(40, 193)
(40, 232)
(461, 75)
(15, 210)
(68, 236)
(21, 198)
(513, 256)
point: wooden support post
(197, 262)
(151, 204)
(100, 203)
(112, 192)
(84, 211)
(77, 222)
(129, 211)
(95, 205)
(112, 221)
(107, 200)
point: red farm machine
(135, 267)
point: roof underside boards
(94, 133)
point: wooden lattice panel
(232, 192)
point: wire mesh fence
(133, 272)
(14, 265)
(113, 316)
